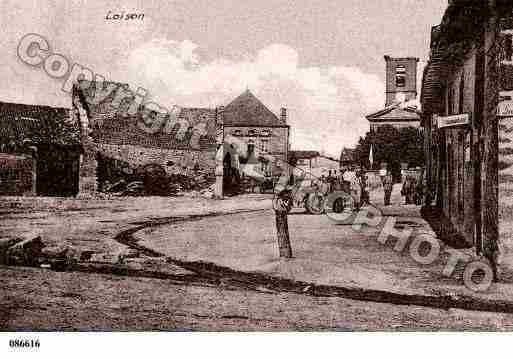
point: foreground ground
(235, 233)
(33, 299)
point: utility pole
(219, 169)
(282, 203)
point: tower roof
(247, 110)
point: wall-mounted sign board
(505, 109)
(454, 120)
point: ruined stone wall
(174, 161)
(179, 141)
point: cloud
(326, 105)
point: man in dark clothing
(362, 182)
(409, 187)
(388, 184)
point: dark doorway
(57, 171)
(231, 178)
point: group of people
(412, 188)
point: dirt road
(35, 299)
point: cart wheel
(315, 203)
(339, 205)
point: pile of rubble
(154, 180)
(33, 252)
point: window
(237, 133)
(264, 146)
(251, 150)
(265, 133)
(265, 167)
(251, 133)
(29, 119)
(400, 76)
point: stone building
(260, 140)
(178, 139)
(39, 151)
(401, 79)
(400, 91)
(467, 133)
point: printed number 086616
(24, 343)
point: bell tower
(401, 79)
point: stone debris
(5, 244)
(154, 179)
(86, 255)
(61, 257)
(130, 253)
(26, 252)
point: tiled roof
(40, 124)
(247, 110)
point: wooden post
(281, 205)
(219, 169)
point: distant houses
(348, 158)
(313, 164)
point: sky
(322, 60)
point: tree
(393, 146)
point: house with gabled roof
(259, 135)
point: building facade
(259, 138)
(466, 135)
(400, 91)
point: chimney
(283, 115)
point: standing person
(388, 184)
(362, 182)
(409, 188)
(329, 180)
(419, 190)
(406, 189)
(413, 190)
